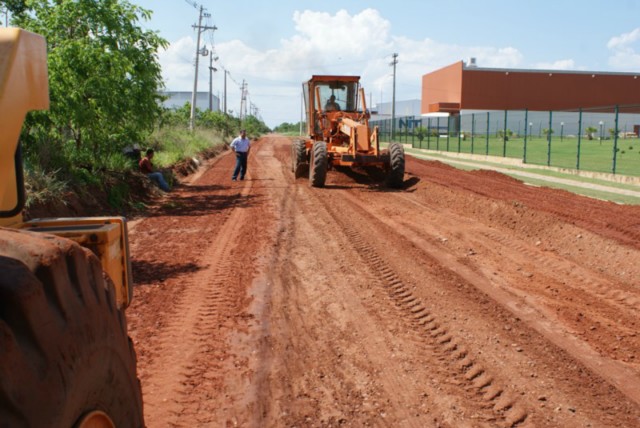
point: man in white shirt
(241, 145)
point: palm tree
(590, 131)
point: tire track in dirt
(180, 378)
(324, 366)
(625, 379)
(203, 302)
(343, 340)
(543, 277)
(473, 380)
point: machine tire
(64, 349)
(318, 167)
(298, 154)
(395, 177)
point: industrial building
(177, 99)
(463, 86)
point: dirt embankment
(464, 299)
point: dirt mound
(126, 194)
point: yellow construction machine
(65, 356)
(339, 133)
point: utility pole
(243, 101)
(225, 90)
(211, 71)
(301, 110)
(393, 102)
(204, 52)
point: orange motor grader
(339, 133)
(65, 356)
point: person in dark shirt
(331, 104)
(146, 167)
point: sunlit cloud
(624, 51)
(340, 43)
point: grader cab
(65, 358)
(339, 134)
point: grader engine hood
(358, 133)
(23, 87)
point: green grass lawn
(595, 155)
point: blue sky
(275, 46)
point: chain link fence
(601, 139)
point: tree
(289, 128)
(14, 6)
(254, 126)
(219, 121)
(421, 132)
(104, 75)
(590, 131)
(505, 136)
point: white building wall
(178, 99)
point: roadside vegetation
(290, 128)
(105, 106)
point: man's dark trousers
(241, 165)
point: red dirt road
(467, 299)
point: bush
(42, 186)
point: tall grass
(173, 144)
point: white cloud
(623, 40)
(340, 43)
(177, 63)
(629, 61)
(562, 64)
(624, 51)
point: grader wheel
(395, 177)
(318, 164)
(65, 357)
(299, 162)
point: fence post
(428, 133)
(579, 137)
(459, 127)
(438, 133)
(487, 138)
(473, 129)
(615, 142)
(448, 130)
(504, 137)
(526, 126)
(413, 132)
(549, 139)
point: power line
(192, 3)
(243, 87)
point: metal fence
(603, 139)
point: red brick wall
(510, 89)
